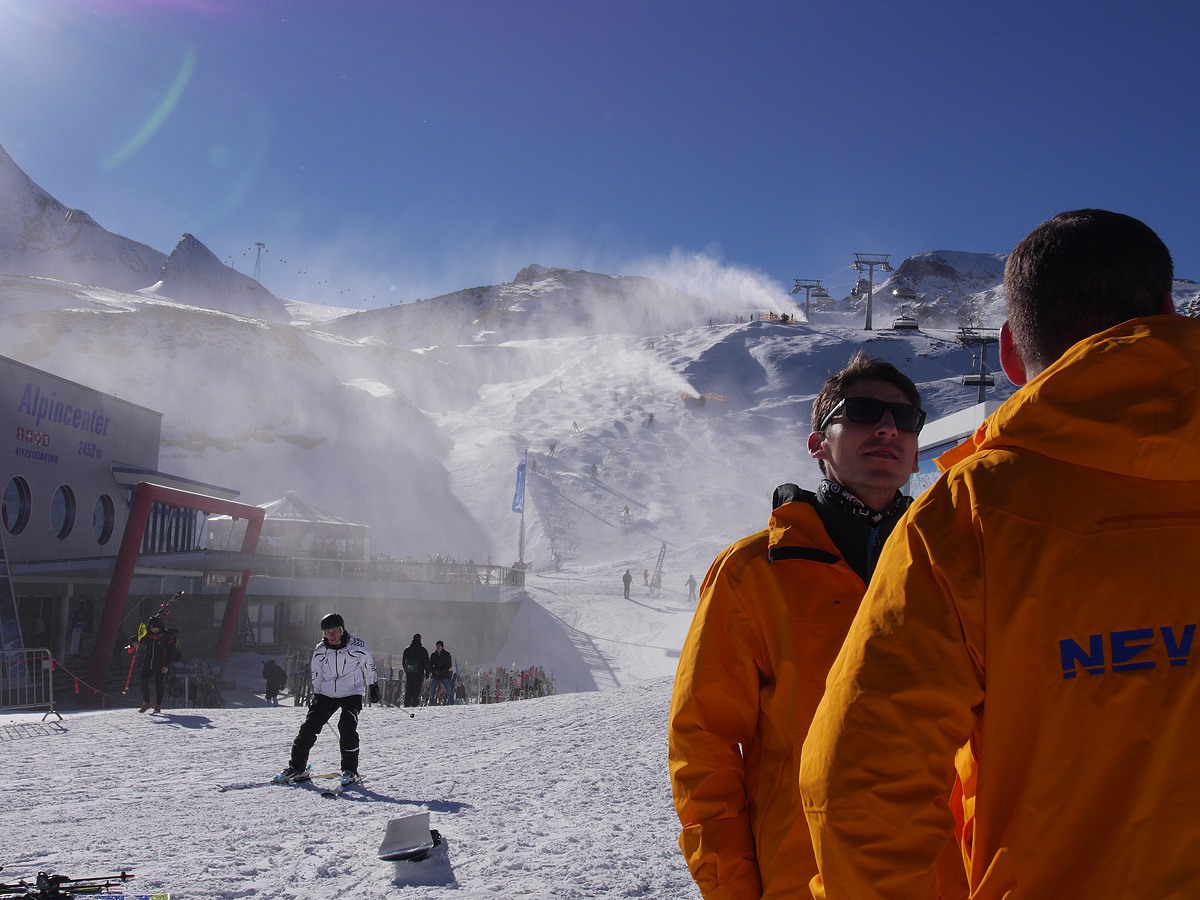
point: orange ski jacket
(743, 698)
(1034, 614)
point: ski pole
(132, 659)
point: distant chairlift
(904, 321)
(982, 378)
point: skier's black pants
(159, 677)
(412, 689)
(320, 712)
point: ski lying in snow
(246, 785)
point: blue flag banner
(519, 496)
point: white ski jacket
(343, 671)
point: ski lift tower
(258, 261)
(870, 262)
(812, 288)
(983, 379)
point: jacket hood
(1124, 401)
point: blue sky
(385, 151)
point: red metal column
(237, 595)
(144, 497)
(118, 588)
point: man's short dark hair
(1078, 274)
(860, 368)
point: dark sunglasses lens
(868, 411)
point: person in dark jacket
(441, 668)
(342, 669)
(276, 679)
(416, 667)
(160, 648)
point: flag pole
(519, 506)
(521, 543)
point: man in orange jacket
(1032, 620)
(772, 613)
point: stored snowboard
(409, 837)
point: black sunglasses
(868, 411)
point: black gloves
(373, 693)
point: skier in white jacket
(342, 667)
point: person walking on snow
(161, 649)
(441, 674)
(342, 669)
(275, 678)
(415, 662)
(627, 580)
(691, 586)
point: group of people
(987, 691)
(627, 580)
(419, 664)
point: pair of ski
(332, 792)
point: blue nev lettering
(1126, 650)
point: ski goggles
(869, 411)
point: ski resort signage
(223, 579)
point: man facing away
(1032, 621)
(772, 613)
(342, 668)
(415, 661)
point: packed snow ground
(561, 797)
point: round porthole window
(103, 519)
(14, 506)
(62, 512)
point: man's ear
(1010, 360)
(817, 447)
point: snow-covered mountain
(193, 274)
(539, 302)
(948, 288)
(411, 419)
(41, 236)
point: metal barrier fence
(27, 680)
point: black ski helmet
(333, 620)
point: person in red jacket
(1031, 623)
(772, 612)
